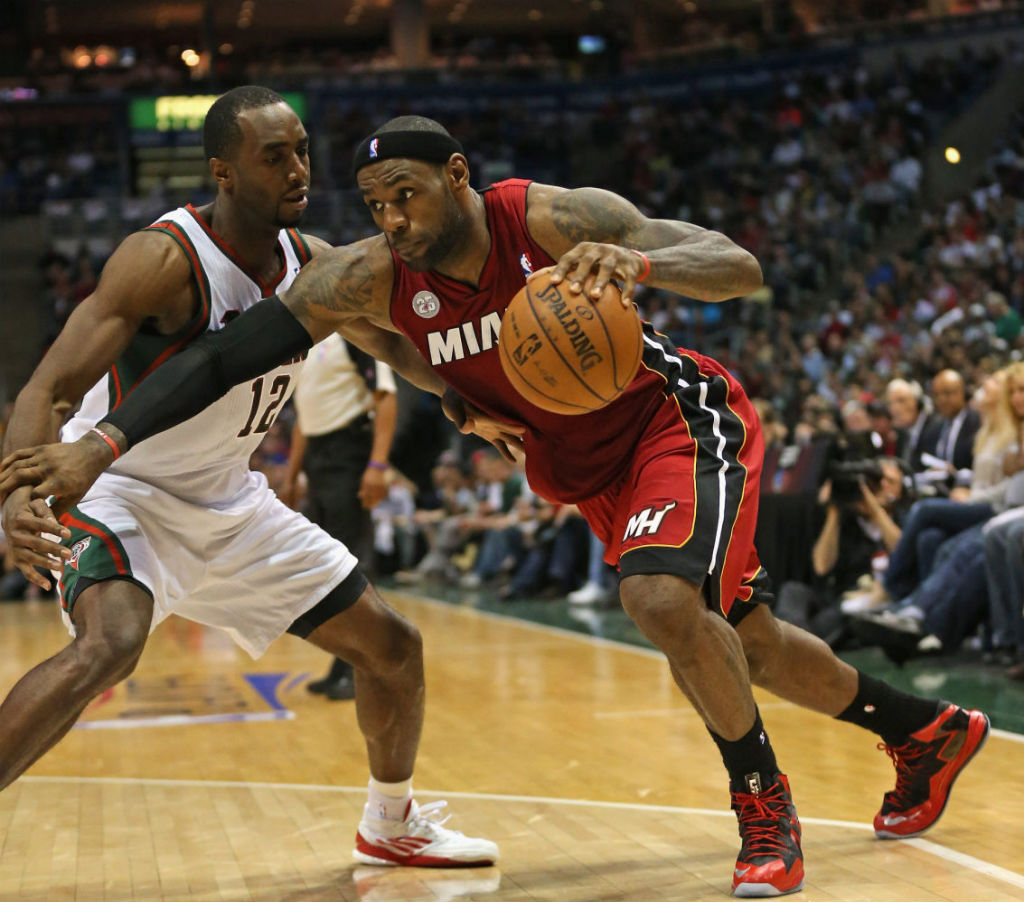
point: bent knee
(372, 636)
(103, 659)
(403, 644)
(761, 635)
(664, 607)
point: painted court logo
(175, 700)
(76, 551)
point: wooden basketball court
(210, 776)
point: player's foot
(421, 840)
(926, 766)
(770, 862)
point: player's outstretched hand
(25, 520)
(506, 437)
(65, 471)
(591, 265)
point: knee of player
(106, 657)
(663, 606)
(398, 647)
(761, 638)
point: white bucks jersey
(204, 459)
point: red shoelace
(903, 757)
(759, 817)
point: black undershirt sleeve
(265, 336)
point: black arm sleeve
(265, 336)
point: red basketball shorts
(688, 504)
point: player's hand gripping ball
(569, 353)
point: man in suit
(917, 427)
(960, 423)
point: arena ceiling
(257, 20)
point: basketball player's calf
(707, 662)
(386, 653)
(112, 621)
(929, 742)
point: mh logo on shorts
(647, 521)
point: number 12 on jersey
(278, 389)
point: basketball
(568, 353)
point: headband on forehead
(433, 147)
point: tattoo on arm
(689, 260)
(588, 215)
(335, 285)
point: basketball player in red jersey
(666, 474)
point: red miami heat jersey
(569, 458)
(455, 326)
(666, 475)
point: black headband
(434, 147)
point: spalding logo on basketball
(566, 352)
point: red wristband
(110, 442)
(647, 265)
(376, 465)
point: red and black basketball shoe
(770, 862)
(926, 766)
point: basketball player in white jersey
(181, 525)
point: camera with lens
(847, 475)
(853, 458)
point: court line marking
(590, 640)
(180, 720)
(681, 711)
(946, 854)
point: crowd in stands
(840, 146)
(55, 163)
(67, 282)
(536, 54)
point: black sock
(887, 711)
(748, 756)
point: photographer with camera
(861, 500)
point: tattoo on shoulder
(584, 215)
(338, 283)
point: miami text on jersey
(464, 340)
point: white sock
(389, 801)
